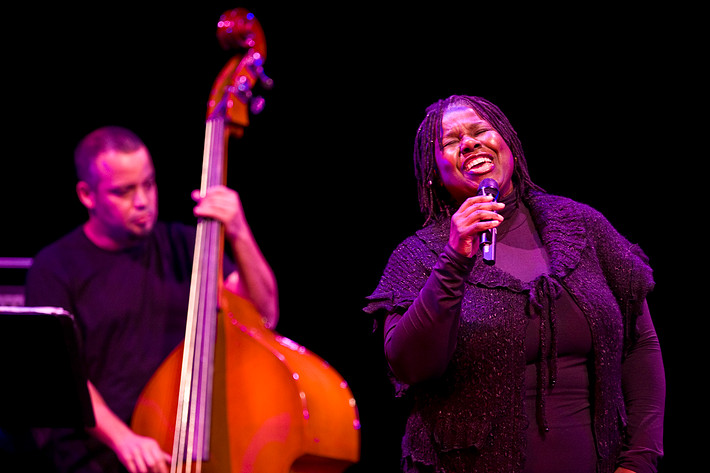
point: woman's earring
(434, 178)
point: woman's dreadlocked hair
(434, 200)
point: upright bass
(237, 397)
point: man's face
(123, 202)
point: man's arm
(137, 453)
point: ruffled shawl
(473, 418)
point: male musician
(126, 278)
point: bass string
(191, 441)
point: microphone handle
(488, 245)
(488, 237)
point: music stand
(43, 380)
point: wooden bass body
(277, 407)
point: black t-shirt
(130, 306)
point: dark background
(599, 98)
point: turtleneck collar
(512, 202)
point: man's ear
(86, 195)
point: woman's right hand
(475, 215)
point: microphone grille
(488, 186)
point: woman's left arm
(644, 386)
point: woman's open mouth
(478, 164)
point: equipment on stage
(44, 382)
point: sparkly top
(478, 399)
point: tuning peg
(256, 64)
(266, 81)
(256, 104)
(243, 87)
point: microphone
(488, 237)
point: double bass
(235, 396)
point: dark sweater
(464, 343)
